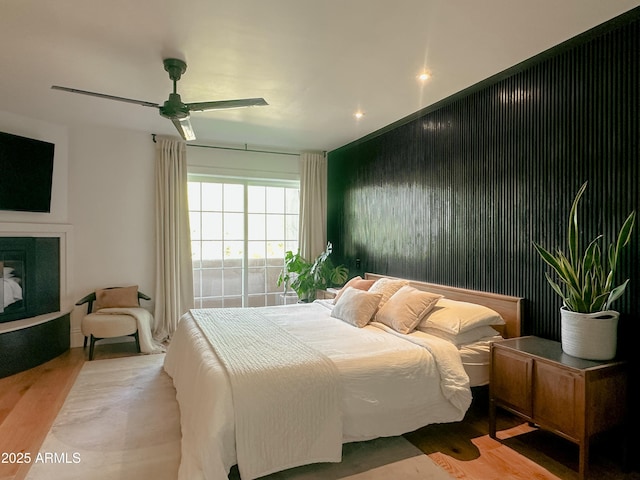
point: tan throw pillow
(387, 287)
(120, 297)
(356, 307)
(404, 310)
(356, 282)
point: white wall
(112, 209)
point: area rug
(121, 421)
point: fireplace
(30, 274)
(33, 272)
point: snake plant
(587, 277)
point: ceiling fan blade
(108, 97)
(183, 125)
(225, 104)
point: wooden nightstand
(574, 398)
(327, 294)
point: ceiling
(315, 62)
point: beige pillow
(454, 317)
(356, 282)
(387, 287)
(406, 308)
(120, 297)
(356, 307)
(471, 336)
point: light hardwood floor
(30, 401)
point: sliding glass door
(240, 231)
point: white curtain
(174, 275)
(313, 205)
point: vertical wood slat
(458, 195)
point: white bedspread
(391, 383)
(285, 394)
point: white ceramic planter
(592, 336)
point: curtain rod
(245, 149)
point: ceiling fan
(173, 108)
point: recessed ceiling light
(424, 76)
(358, 115)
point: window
(240, 232)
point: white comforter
(391, 383)
(276, 380)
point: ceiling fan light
(183, 125)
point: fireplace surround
(34, 308)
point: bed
(239, 405)
(475, 355)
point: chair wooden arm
(89, 298)
(92, 298)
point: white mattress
(475, 360)
(391, 383)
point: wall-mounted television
(26, 173)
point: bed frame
(510, 308)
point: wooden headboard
(510, 308)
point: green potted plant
(305, 278)
(586, 286)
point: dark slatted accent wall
(457, 194)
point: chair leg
(93, 343)
(85, 343)
(135, 335)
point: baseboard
(77, 339)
